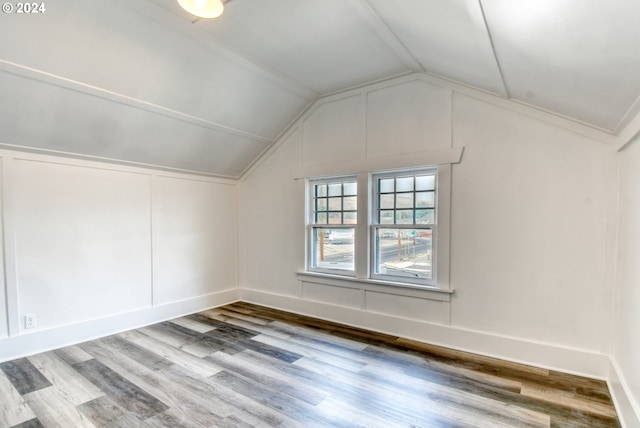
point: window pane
(403, 253)
(335, 218)
(335, 189)
(321, 218)
(350, 218)
(386, 217)
(426, 182)
(425, 216)
(425, 199)
(321, 190)
(386, 201)
(335, 204)
(386, 185)
(321, 204)
(404, 217)
(333, 249)
(404, 184)
(350, 189)
(404, 200)
(350, 203)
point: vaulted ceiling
(140, 82)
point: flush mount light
(203, 8)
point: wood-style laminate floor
(243, 365)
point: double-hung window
(403, 226)
(332, 225)
(401, 239)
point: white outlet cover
(29, 321)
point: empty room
(320, 213)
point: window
(334, 215)
(403, 226)
(400, 235)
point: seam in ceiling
(369, 14)
(493, 50)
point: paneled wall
(528, 224)
(92, 248)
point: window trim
(374, 224)
(311, 225)
(363, 250)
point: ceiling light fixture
(203, 8)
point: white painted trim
(155, 238)
(504, 90)
(632, 114)
(404, 161)
(108, 165)
(105, 94)
(627, 407)
(549, 356)
(629, 133)
(370, 15)
(69, 155)
(599, 134)
(10, 264)
(569, 124)
(365, 284)
(54, 338)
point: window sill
(388, 287)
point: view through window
(404, 221)
(334, 216)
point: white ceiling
(137, 81)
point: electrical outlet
(30, 321)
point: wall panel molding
(418, 159)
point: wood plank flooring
(243, 365)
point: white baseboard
(553, 357)
(54, 338)
(628, 409)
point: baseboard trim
(548, 356)
(54, 338)
(628, 409)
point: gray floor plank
(246, 366)
(123, 392)
(53, 410)
(77, 389)
(13, 409)
(24, 376)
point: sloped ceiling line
(371, 16)
(629, 117)
(69, 84)
(505, 92)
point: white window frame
(363, 245)
(375, 224)
(312, 226)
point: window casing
(403, 226)
(399, 221)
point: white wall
(4, 326)
(529, 229)
(93, 248)
(626, 353)
(529, 217)
(195, 238)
